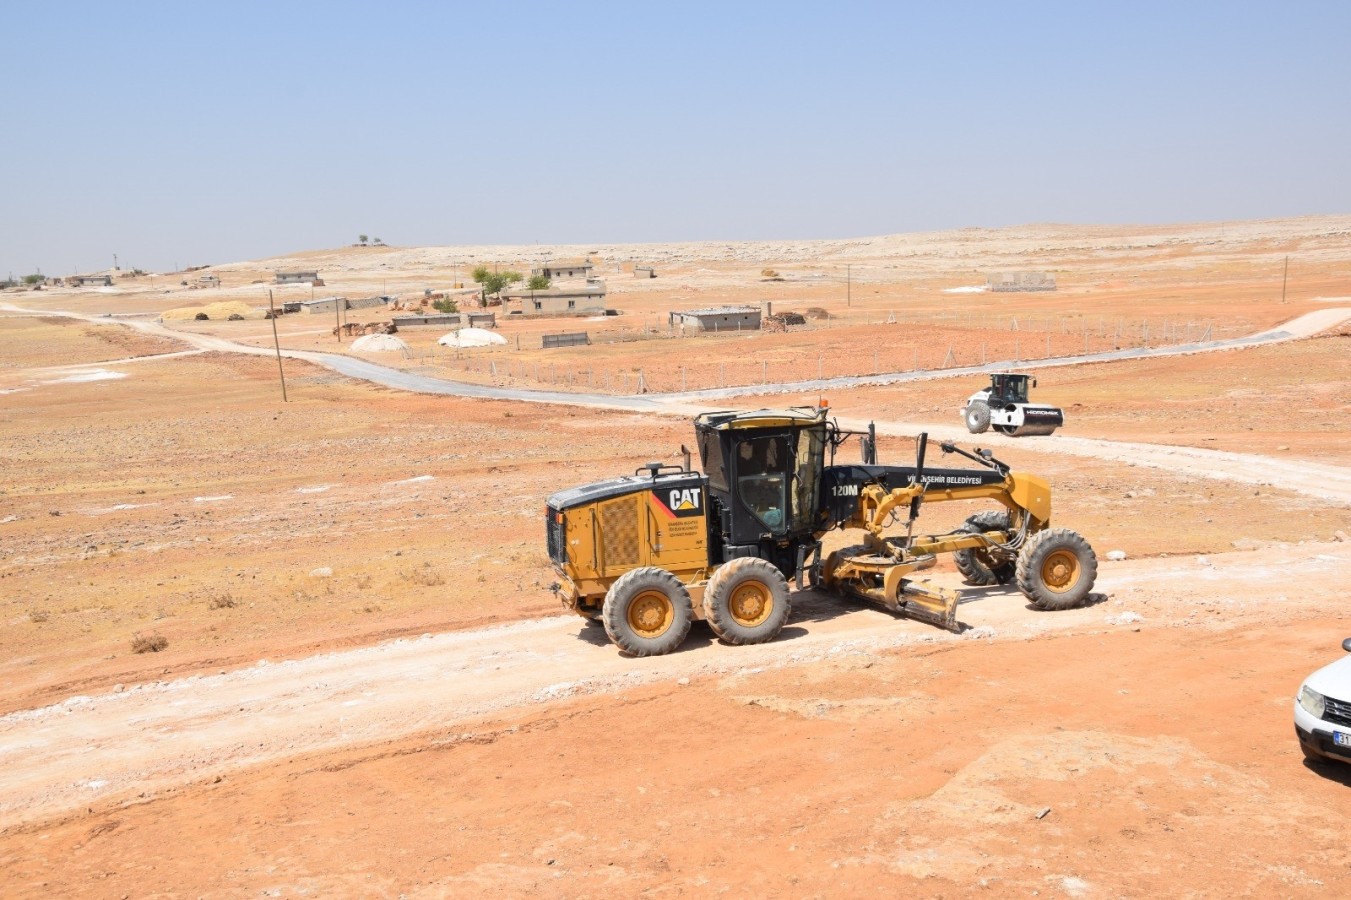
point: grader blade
(935, 605)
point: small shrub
(424, 575)
(148, 643)
(224, 600)
(38, 615)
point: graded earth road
(138, 742)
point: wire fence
(982, 340)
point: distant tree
(446, 305)
(33, 279)
(378, 241)
(362, 239)
(494, 282)
(538, 283)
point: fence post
(764, 376)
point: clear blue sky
(197, 133)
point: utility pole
(1284, 277)
(849, 285)
(272, 310)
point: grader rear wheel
(980, 566)
(746, 601)
(647, 612)
(1056, 569)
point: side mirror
(1346, 645)
(1034, 382)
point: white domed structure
(471, 337)
(378, 343)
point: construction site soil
(365, 686)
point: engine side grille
(558, 547)
(1337, 711)
(619, 525)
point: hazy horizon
(180, 135)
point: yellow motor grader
(647, 554)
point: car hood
(1333, 680)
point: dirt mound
(215, 312)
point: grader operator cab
(649, 553)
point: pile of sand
(471, 337)
(216, 311)
(378, 343)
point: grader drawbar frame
(878, 570)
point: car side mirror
(1346, 645)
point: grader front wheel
(647, 612)
(746, 601)
(1056, 569)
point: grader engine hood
(607, 527)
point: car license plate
(1340, 739)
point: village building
(296, 278)
(89, 280)
(564, 269)
(588, 299)
(1021, 281)
(723, 318)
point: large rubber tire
(647, 612)
(746, 601)
(977, 417)
(979, 566)
(1056, 569)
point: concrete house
(296, 277)
(90, 280)
(724, 318)
(564, 269)
(1021, 281)
(588, 299)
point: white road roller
(1003, 406)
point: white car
(1323, 712)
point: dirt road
(145, 739)
(1322, 481)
